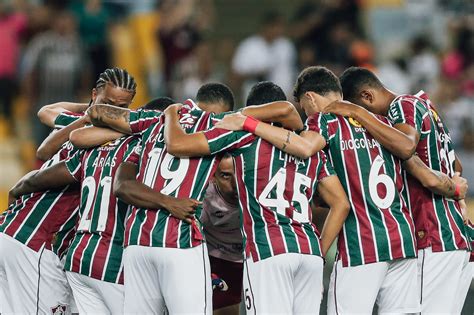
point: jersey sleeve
(220, 140)
(140, 120)
(326, 169)
(66, 118)
(74, 165)
(134, 148)
(408, 111)
(321, 124)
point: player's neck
(389, 97)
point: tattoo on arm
(100, 114)
(445, 181)
(287, 141)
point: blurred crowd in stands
(53, 51)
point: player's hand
(233, 122)
(462, 182)
(183, 209)
(343, 108)
(173, 109)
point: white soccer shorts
(392, 285)
(31, 282)
(442, 277)
(467, 276)
(94, 296)
(283, 284)
(176, 279)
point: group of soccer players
(189, 208)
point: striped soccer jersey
(379, 226)
(97, 247)
(46, 218)
(438, 219)
(177, 177)
(275, 191)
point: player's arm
(457, 164)
(117, 118)
(91, 136)
(133, 192)
(57, 138)
(55, 176)
(281, 112)
(178, 142)
(304, 145)
(401, 140)
(11, 197)
(437, 182)
(48, 113)
(331, 191)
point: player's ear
(94, 95)
(367, 96)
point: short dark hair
(160, 103)
(355, 79)
(265, 92)
(316, 79)
(215, 93)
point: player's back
(96, 250)
(275, 190)
(438, 219)
(379, 226)
(173, 176)
(45, 218)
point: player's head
(114, 87)
(265, 92)
(362, 87)
(225, 179)
(315, 88)
(215, 97)
(160, 103)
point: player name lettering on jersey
(351, 144)
(104, 161)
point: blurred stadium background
(53, 50)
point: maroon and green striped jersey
(438, 219)
(177, 177)
(46, 218)
(379, 226)
(97, 247)
(275, 191)
(470, 235)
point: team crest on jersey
(59, 309)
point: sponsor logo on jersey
(357, 125)
(187, 120)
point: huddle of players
(76, 208)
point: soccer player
(283, 265)
(163, 249)
(440, 230)
(221, 218)
(376, 247)
(94, 261)
(37, 228)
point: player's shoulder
(318, 118)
